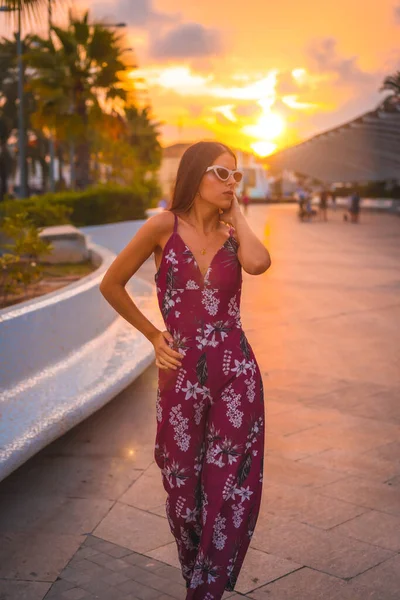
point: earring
(220, 211)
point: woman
(210, 410)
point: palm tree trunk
(60, 185)
(83, 147)
(72, 165)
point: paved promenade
(85, 519)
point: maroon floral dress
(210, 418)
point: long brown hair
(192, 167)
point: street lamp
(118, 25)
(21, 125)
(51, 137)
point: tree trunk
(3, 186)
(60, 184)
(83, 148)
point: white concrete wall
(66, 354)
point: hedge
(92, 206)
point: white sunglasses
(223, 173)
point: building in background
(364, 150)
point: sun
(269, 126)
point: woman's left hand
(230, 216)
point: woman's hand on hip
(166, 357)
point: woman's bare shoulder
(161, 224)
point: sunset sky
(255, 73)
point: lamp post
(21, 124)
(51, 137)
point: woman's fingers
(167, 361)
(170, 350)
(166, 357)
(167, 351)
(170, 358)
(160, 366)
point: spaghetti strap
(175, 223)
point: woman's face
(214, 191)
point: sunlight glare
(263, 148)
(268, 127)
(299, 75)
(292, 102)
(226, 111)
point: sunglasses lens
(222, 173)
(238, 176)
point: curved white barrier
(62, 357)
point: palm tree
(142, 134)
(76, 73)
(391, 83)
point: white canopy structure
(365, 149)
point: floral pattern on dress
(210, 417)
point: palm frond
(33, 11)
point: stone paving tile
(308, 584)
(140, 591)
(75, 594)
(51, 514)
(79, 476)
(374, 528)
(23, 590)
(92, 574)
(290, 472)
(167, 554)
(383, 406)
(135, 529)
(146, 493)
(350, 463)
(305, 383)
(304, 584)
(363, 492)
(95, 572)
(322, 550)
(389, 452)
(304, 505)
(382, 578)
(35, 555)
(259, 568)
(296, 446)
(288, 423)
(170, 573)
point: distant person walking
(323, 205)
(301, 198)
(245, 202)
(333, 200)
(355, 207)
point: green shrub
(41, 211)
(19, 267)
(93, 206)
